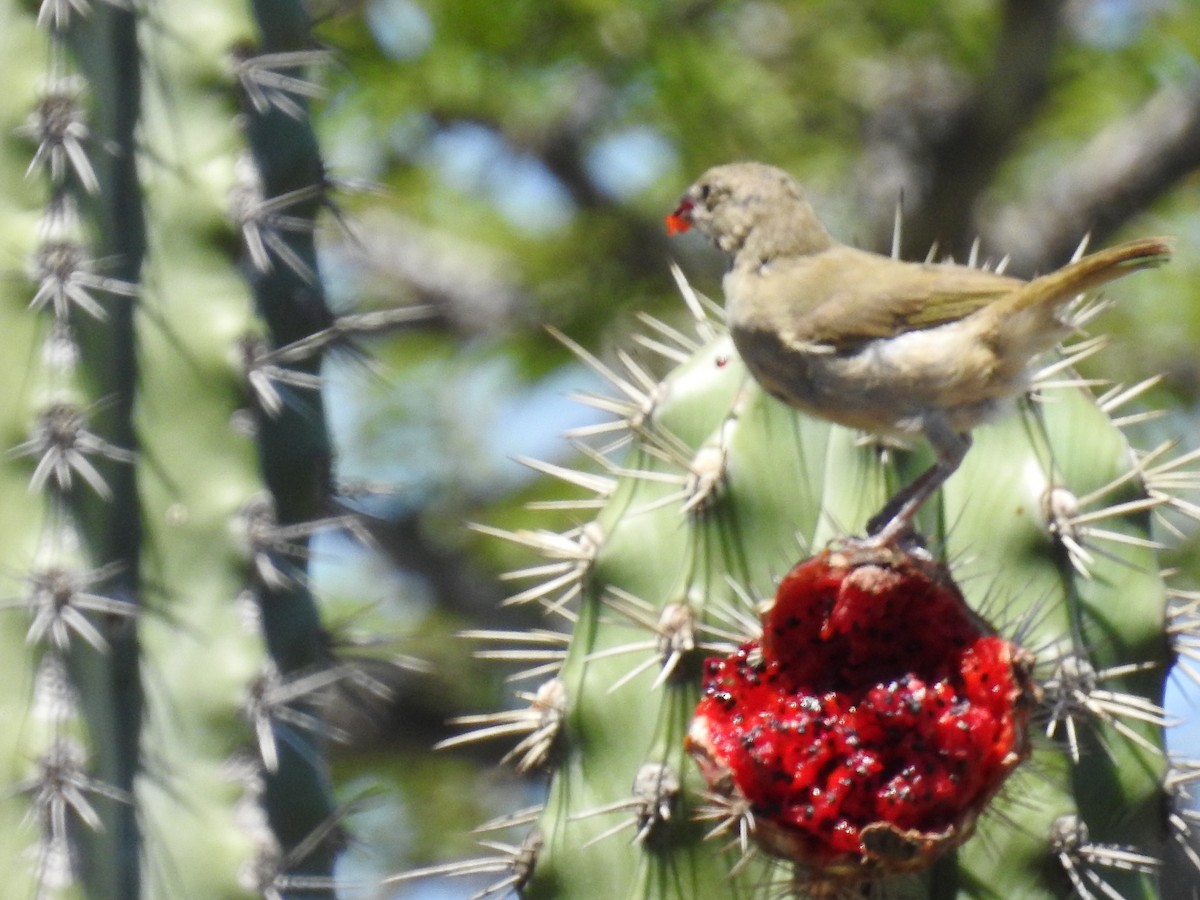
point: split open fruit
(874, 720)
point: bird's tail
(1051, 291)
(1030, 320)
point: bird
(895, 348)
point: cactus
(169, 460)
(710, 491)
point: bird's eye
(705, 190)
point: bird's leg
(892, 522)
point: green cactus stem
(168, 455)
(710, 492)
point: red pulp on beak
(681, 220)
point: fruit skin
(874, 720)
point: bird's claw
(893, 531)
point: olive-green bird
(890, 347)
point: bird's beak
(681, 220)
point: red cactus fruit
(873, 722)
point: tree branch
(1121, 172)
(948, 155)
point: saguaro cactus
(711, 491)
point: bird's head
(747, 204)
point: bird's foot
(888, 520)
(893, 525)
(893, 531)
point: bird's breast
(884, 386)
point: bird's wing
(861, 297)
